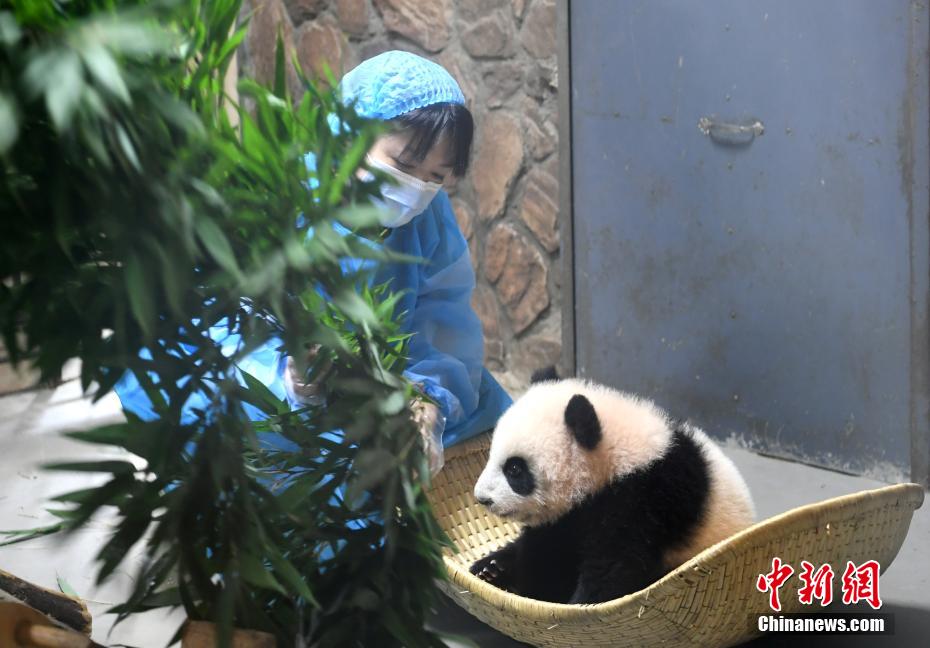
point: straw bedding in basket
(711, 600)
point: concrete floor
(30, 427)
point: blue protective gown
(447, 347)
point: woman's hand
(426, 417)
(299, 388)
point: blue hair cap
(397, 82)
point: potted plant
(135, 216)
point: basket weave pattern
(711, 600)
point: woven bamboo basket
(711, 600)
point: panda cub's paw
(492, 569)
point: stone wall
(503, 54)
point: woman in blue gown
(428, 142)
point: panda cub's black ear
(543, 375)
(582, 420)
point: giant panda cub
(612, 493)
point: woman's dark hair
(430, 123)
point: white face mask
(401, 202)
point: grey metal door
(749, 219)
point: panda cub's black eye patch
(519, 476)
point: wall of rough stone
(503, 54)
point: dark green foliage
(134, 215)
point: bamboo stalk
(62, 609)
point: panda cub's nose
(485, 501)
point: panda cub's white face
(512, 484)
(537, 468)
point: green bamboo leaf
(24, 535)
(354, 307)
(164, 598)
(146, 594)
(348, 166)
(371, 467)
(262, 397)
(176, 112)
(81, 496)
(88, 500)
(106, 381)
(292, 576)
(210, 194)
(174, 279)
(112, 466)
(64, 586)
(280, 69)
(115, 434)
(62, 84)
(297, 494)
(140, 295)
(359, 216)
(393, 404)
(130, 531)
(231, 45)
(10, 32)
(169, 597)
(216, 243)
(128, 148)
(128, 36)
(9, 123)
(98, 149)
(253, 570)
(104, 69)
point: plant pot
(203, 634)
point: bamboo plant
(135, 217)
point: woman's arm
(446, 349)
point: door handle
(738, 133)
